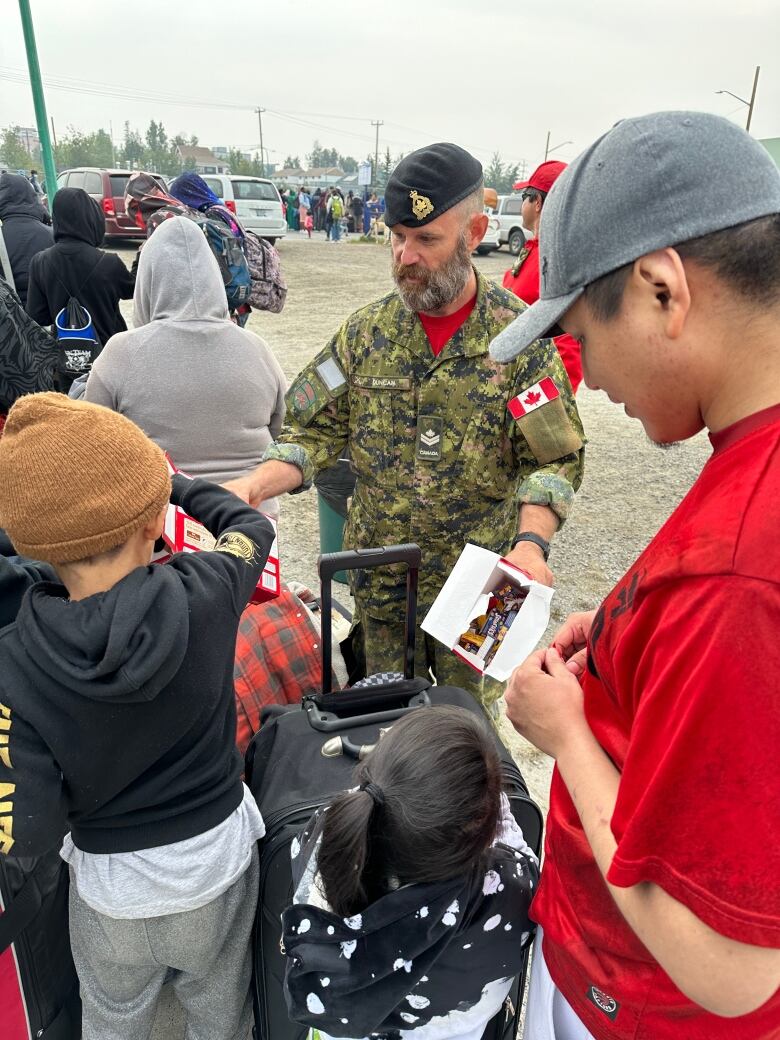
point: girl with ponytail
(412, 890)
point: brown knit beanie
(76, 479)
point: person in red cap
(523, 277)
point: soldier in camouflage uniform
(439, 458)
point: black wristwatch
(529, 536)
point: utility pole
(548, 150)
(377, 123)
(262, 155)
(39, 103)
(753, 97)
(750, 103)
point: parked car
(511, 230)
(490, 242)
(254, 200)
(108, 187)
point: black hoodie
(74, 266)
(24, 228)
(120, 709)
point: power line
(74, 85)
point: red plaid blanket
(278, 660)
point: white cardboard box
(465, 595)
(182, 533)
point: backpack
(78, 341)
(337, 208)
(75, 334)
(269, 288)
(231, 259)
(226, 248)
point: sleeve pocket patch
(549, 432)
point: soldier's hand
(530, 558)
(571, 640)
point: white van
(255, 202)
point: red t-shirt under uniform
(441, 328)
(525, 284)
(682, 691)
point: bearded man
(448, 446)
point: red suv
(108, 188)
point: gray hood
(178, 277)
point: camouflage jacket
(439, 459)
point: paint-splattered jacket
(432, 960)
(439, 459)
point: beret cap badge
(421, 205)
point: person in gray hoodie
(208, 392)
(24, 228)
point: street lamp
(548, 149)
(750, 103)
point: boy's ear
(154, 529)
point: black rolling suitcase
(39, 990)
(303, 755)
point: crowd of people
(657, 911)
(331, 211)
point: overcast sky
(488, 74)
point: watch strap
(529, 536)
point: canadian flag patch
(533, 397)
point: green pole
(50, 173)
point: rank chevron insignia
(429, 438)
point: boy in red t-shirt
(659, 902)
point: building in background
(289, 175)
(220, 152)
(202, 160)
(28, 138)
(315, 177)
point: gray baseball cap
(648, 183)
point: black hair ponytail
(344, 851)
(427, 809)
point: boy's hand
(544, 702)
(571, 640)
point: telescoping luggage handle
(362, 559)
(371, 704)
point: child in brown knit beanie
(119, 714)
(81, 485)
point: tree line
(154, 150)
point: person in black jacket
(75, 266)
(28, 354)
(24, 228)
(116, 684)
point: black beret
(428, 182)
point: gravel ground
(630, 486)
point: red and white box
(466, 595)
(182, 533)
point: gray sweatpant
(205, 954)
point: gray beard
(439, 288)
